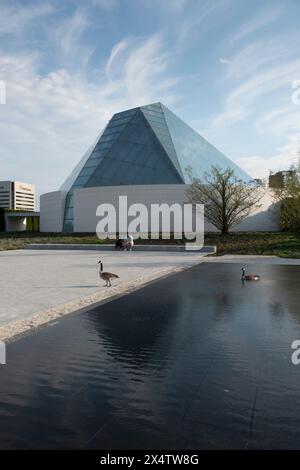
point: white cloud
(224, 61)
(259, 55)
(104, 4)
(282, 159)
(143, 70)
(69, 32)
(199, 18)
(169, 7)
(115, 53)
(269, 80)
(282, 120)
(52, 115)
(50, 120)
(67, 35)
(258, 81)
(15, 19)
(258, 71)
(260, 21)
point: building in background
(147, 154)
(279, 179)
(17, 207)
(15, 195)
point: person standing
(130, 242)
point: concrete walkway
(35, 281)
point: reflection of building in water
(134, 337)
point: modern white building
(18, 201)
(17, 196)
(147, 154)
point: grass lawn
(286, 245)
(283, 244)
(16, 240)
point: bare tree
(227, 199)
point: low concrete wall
(108, 247)
(52, 207)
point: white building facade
(15, 195)
(86, 201)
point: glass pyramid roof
(145, 145)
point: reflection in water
(197, 360)
(276, 309)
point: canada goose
(250, 277)
(106, 276)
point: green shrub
(290, 214)
(33, 224)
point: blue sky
(226, 67)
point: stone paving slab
(39, 286)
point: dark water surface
(197, 360)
